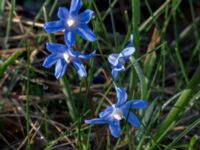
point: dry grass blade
(150, 59)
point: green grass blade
(2, 5)
(155, 15)
(109, 9)
(181, 65)
(53, 8)
(9, 23)
(183, 133)
(141, 77)
(193, 142)
(135, 7)
(179, 106)
(103, 28)
(136, 23)
(113, 24)
(150, 59)
(9, 61)
(194, 24)
(37, 17)
(69, 101)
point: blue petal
(86, 16)
(130, 44)
(96, 121)
(56, 48)
(50, 60)
(113, 59)
(87, 57)
(127, 52)
(54, 26)
(61, 66)
(86, 32)
(136, 104)
(115, 73)
(80, 68)
(75, 6)
(121, 96)
(131, 118)
(115, 129)
(119, 67)
(70, 38)
(106, 112)
(73, 53)
(78, 54)
(62, 13)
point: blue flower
(113, 114)
(72, 23)
(62, 55)
(117, 60)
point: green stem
(171, 118)
(69, 101)
(28, 98)
(113, 24)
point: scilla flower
(72, 23)
(62, 55)
(117, 60)
(121, 110)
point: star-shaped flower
(62, 55)
(72, 23)
(122, 109)
(117, 60)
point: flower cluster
(71, 23)
(123, 108)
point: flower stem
(69, 101)
(90, 102)
(28, 98)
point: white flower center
(67, 57)
(71, 22)
(117, 114)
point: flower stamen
(67, 57)
(71, 22)
(117, 114)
